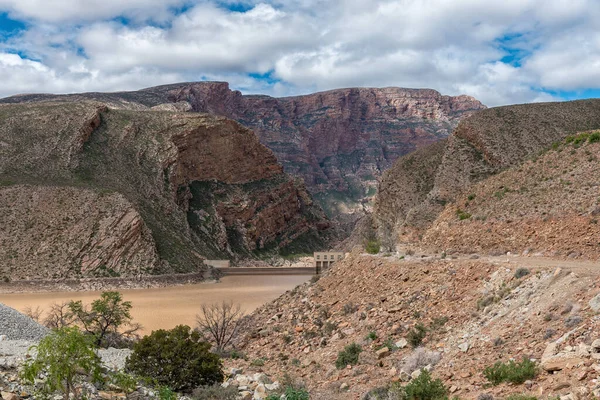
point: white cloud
(454, 46)
(58, 11)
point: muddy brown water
(165, 308)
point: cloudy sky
(499, 51)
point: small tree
(220, 322)
(65, 357)
(177, 358)
(106, 317)
(59, 316)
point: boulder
(383, 352)
(594, 303)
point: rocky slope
(482, 145)
(475, 313)
(549, 205)
(338, 141)
(91, 191)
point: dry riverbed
(167, 307)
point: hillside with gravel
(16, 326)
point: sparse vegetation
(349, 308)
(521, 272)
(348, 356)
(372, 246)
(291, 393)
(462, 215)
(573, 320)
(420, 358)
(416, 335)
(512, 372)
(215, 392)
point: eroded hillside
(92, 191)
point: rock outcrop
(338, 141)
(89, 191)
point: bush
(348, 356)
(572, 321)
(215, 392)
(419, 359)
(372, 246)
(349, 308)
(178, 358)
(520, 397)
(595, 137)
(462, 215)
(416, 335)
(512, 372)
(425, 388)
(65, 358)
(166, 393)
(521, 272)
(291, 393)
(123, 381)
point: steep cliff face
(338, 141)
(481, 146)
(143, 191)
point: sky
(498, 51)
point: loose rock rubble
(16, 326)
(251, 387)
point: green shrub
(438, 323)
(462, 215)
(259, 362)
(65, 358)
(178, 358)
(521, 272)
(372, 335)
(512, 372)
(425, 388)
(520, 397)
(291, 393)
(215, 392)
(123, 381)
(348, 356)
(166, 393)
(595, 137)
(471, 197)
(372, 246)
(416, 335)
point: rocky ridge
(127, 193)
(339, 141)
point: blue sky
(501, 52)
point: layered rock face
(89, 191)
(481, 146)
(338, 141)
